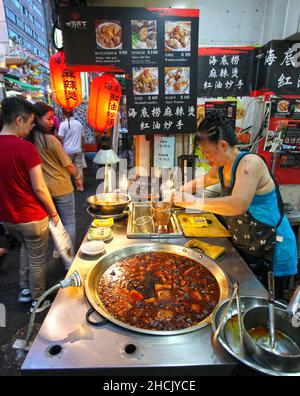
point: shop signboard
(278, 68)
(157, 50)
(225, 71)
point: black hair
(13, 107)
(41, 109)
(68, 114)
(214, 128)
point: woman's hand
(55, 219)
(186, 200)
(168, 196)
(79, 183)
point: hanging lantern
(65, 83)
(105, 94)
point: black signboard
(225, 71)
(224, 108)
(155, 48)
(279, 68)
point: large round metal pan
(109, 203)
(95, 273)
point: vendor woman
(250, 204)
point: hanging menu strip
(157, 50)
(225, 71)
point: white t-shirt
(71, 131)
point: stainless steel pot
(109, 203)
(95, 273)
(228, 336)
(285, 356)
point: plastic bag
(84, 164)
(62, 242)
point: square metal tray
(139, 209)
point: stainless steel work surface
(111, 349)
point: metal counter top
(86, 349)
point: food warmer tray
(140, 209)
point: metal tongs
(235, 294)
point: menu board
(225, 71)
(278, 69)
(292, 136)
(285, 108)
(224, 108)
(157, 50)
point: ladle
(271, 288)
(267, 340)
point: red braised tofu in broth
(159, 291)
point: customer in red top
(25, 202)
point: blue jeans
(65, 205)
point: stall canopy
(27, 87)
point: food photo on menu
(145, 80)
(178, 36)
(109, 34)
(297, 106)
(177, 80)
(144, 34)
(283, 106)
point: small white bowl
(93, 248)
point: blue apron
(254, 232)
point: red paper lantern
(105, 94)
(65, 83)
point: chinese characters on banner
(70, 86)
(164, 151)
(277, 71)
(113, 104)
(157, 50)
(224, 71)
(168, 119)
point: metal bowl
(285, 356)
(95, 273)
(228, 337)
(109, 203)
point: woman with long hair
(57, 167)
